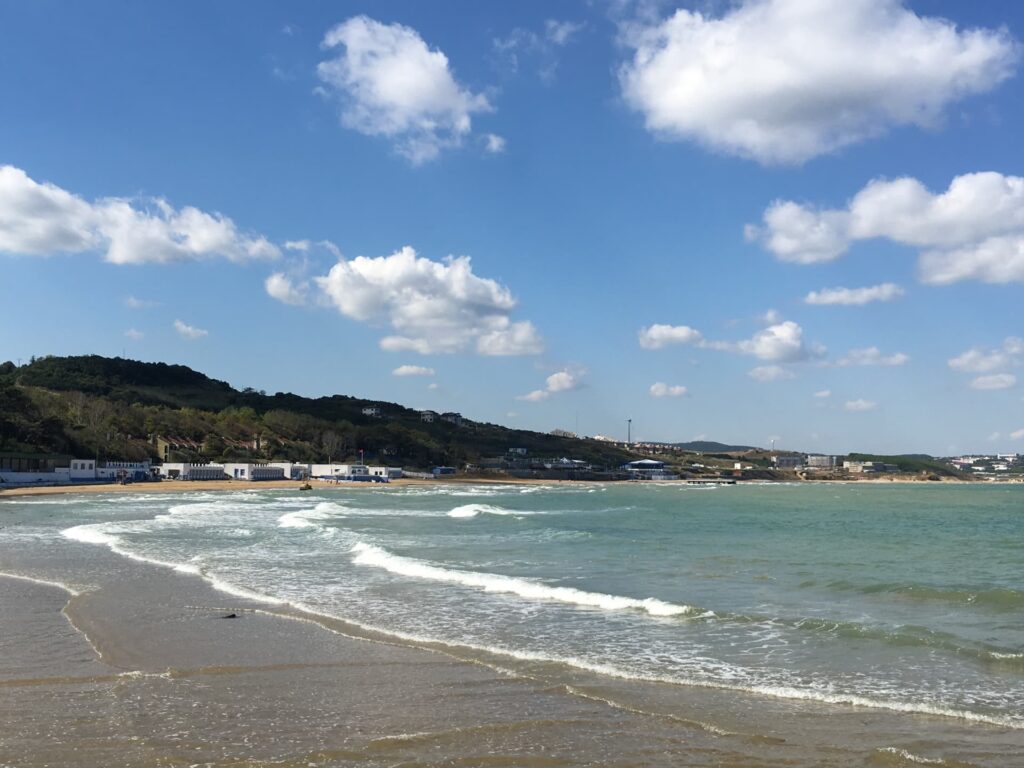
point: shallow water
(794, 603)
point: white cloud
(781, 343)
(412, 370)
(972, 231)
(658, 336)
(823, 393)
(981, 360)
(133, 302)
(564, 380)
(432, 386)
(994, 437)
(494, 143)
(433, 306)
(297, 245)
(134, 335)
(1017, 435)
(871, 356)
(765, 373)
(41, 219)
(994, 381)
(561, 32)
(390, 83)
(860, 405)
(541, 47)
(770, 317)
(661, 389)
(279, 286)
(855, 296)
(190, 332)
(782, 81)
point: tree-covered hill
(114, 408)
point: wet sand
(108, 661)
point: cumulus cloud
(564, 380)
(431, 306)
(1018, 434)
(982, 360)
(412, 370)
(783, 81)
(782, 342)
(279, 286)
(972, 231)
(860, 405)
(658, 336)
(823, 393)
(189, 332)
(661, 389)
(765, 373)
(871, 356)
(41, 219)
(854, 296)
(994, 381)
(390, 83)
(134, 335)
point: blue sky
(740, 221)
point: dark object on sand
(230, 616)
(306, 487)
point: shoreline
(181, 486)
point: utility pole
(629, 431)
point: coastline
(140, 667)
(183, 486)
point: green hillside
(112, 408)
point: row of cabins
(45, 469)
(255, 471)
(427, 417)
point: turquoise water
(905, 598)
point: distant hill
(113, 408)
(710, 446)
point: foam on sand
(368, 554)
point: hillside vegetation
(112, 408)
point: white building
(338, 471)
(372, 410)
(82, 469)
(391, 473)
(125, 470)
(292, 471)
(192, 471)
(428, 417)
(788, 462)
(821, 462)
(252, 471)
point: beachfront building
(821, 462)
(35, 468)
(121, 471)
(292, 470)
(788, 462)
(82, 470)
(648, 469)
(253, 471)
(339, 471)
(388, 473)
(863, 467)
(192, 471)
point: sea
(905, 600)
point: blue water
(906, 598)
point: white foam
(367, 554)
(308, 518)
(44, 582)
(472, 510)
(93, 534)
(911, 757)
